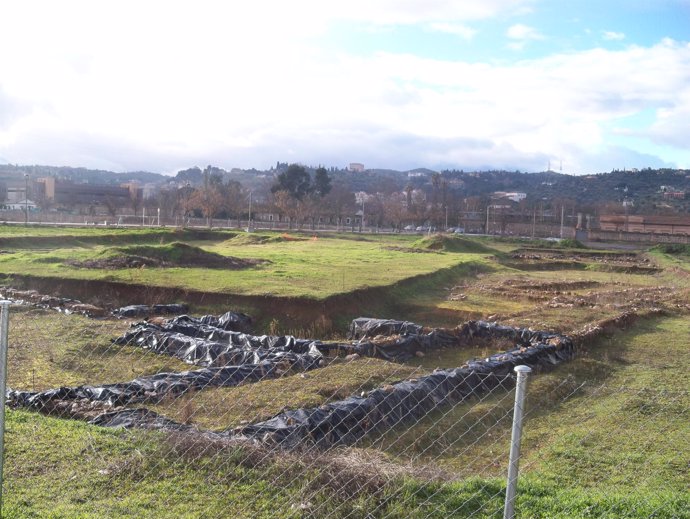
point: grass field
(605, 435)
(48, 350)
(615, 447)
(305, 267)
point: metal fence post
(4, 329)
(520, 389)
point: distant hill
(95, 176)
(642, 187)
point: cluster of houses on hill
(498, 210)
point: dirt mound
(162, 256)
(441, 242)
(260, 239)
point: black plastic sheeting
(342, 422)
(404, 347)
(194, 341)
(146, 310)
(400, 341)
(346, 421)
(229, 321)
(152, 388)
(64, 305)
(397, 341)
(364, 327)
(139, 418)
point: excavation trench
(294, 313)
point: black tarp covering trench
(346, 421)
(341, 422)
(204, 341)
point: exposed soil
(173, 255)
(524, 289)
(62, 304)
(544, 259)
(135, 262)
(300, 314)
(615, 259)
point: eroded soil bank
(287, 314)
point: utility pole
(534, 221)
(562, 214)
(361, 220)
(486, 227)
(249, 223)
(26, 199)
(446, 217)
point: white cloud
(415, 12)
(460, 30)
(523, 32)
(613, 36)
(162, 85)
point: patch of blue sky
(418, 40)
(634, 122)
(643, 145)
(556, 27)
(611, 23)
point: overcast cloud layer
(510, 84)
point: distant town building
(678, 195)
(356, 166)
(69, 194)
(514, 196)
(20, 205)
(16, 193)
(646, 223)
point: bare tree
(208, 201)
(135, 199)
(339, 201)
(395, 209)
(185, 201)
(286, 205)
(110, 205)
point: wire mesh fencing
(179, 416)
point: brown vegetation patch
(132, 262)
(349, 471)
(524, 289)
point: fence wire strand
(320, 435)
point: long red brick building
(653, 224)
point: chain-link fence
(142, 415)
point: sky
(584, 86)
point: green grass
(605, 436)
(176, 254)
(306, 268)
(48, 350)
(451, 243)
(89, 472)
(617, 418)
(615, 447)
(673, 248)
(223, 408)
